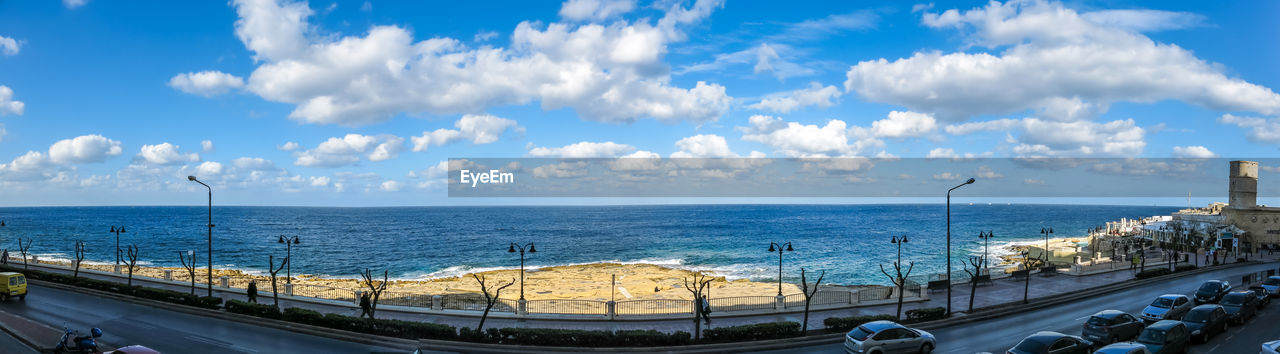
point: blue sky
(361, 102)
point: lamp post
(1046, 233)
(117, 232)
(512, 249)
(986, 241)
(899, 241)
(210, 285)
(780, 249)
(288, 242)
(970, 181)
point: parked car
(1166, 336)
(1272, 284)
(133, 349)
(1272, 347)
(1110, 326)
(1264, 296)
(1052, 342)
(1240, 306)
(1167, 307)
(13, 284)
(888, 337)
(1206, 321)
(1212, 291)
(1123, 348)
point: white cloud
(206, 83)
(901, 125)
(985, 172)
(336, 152)
(947, 176)
(941, 153)
(209, 169)
(31, 166)
(165, 154)
(774, 58)
(610, 73)
(820, 28)
(583, 150)
(485, 36)
(320, 181)
(1033, 181)
(206, 146)
(785, 102)
(1144, 20)
(390, 186)
(9, 46)
(253, 164)
(1037, 137)
(1193, 152)
(1054, 58)
(388, 149)
(84, 149)
(1260, 130)
(801, 140)
(71, 4)
(7, 104)
(289, 146)
(480, 129)
(702, 145)
(595, 10)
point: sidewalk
(1002, 291)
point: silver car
(1167, 307)
(886, 337)
(1123, 348)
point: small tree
(808, 296)
(273, 269)
(23, 248)
(191, 269)
(375, 289)
(697, 288)
(491, 295)
(974, 269)
(132, 256)
(899, 280)
(1027, 263)
(79, 258)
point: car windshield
(1097, 321)
(860, 333)
(1162, 303)
(1233, 300)
(1153, 336)
(1209, 287)
(1030, 346)
(1271, 281)
(1197, 316)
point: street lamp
(117, 232)
(210, 285)
(289, 242)
(899, 241)
(512, 249)
(986, 241)
(780, 249)
(970, 181)
(1046, 232)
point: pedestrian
(1133, 262)
(364, 305)
(4, 258)
(706, 309)
(253, 291)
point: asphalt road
(999, 334)
(126, 323)
(10, 345)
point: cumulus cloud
(609, 73)
(785, 102)
(253, 164)
(206, 83)
(390, 186)
(1037, 137)
(7, 104)
(794, 139)
(1055, 61)
(1259, 130)
(1193, 152)
(9, 46)
(583, 149)
(165, 154)
(84, 149)
(289, 146)
(336, 152)
(1144, 20)
(702, 145)
(206, 146)
(479, 129)
(595, 10)
(901, 125)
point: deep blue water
(848, 241)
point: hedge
(382, 327)
(1184, 267)
(757, 331)
(926, 314)
(843, 324)
(576, 337)
(1153, 272)
(119, 288)
(252, 309)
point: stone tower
(1244, 185)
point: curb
(25, 341)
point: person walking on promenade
(4, 258)
(705, 307)
(252, 292)
(364, 305)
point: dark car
(1240, 306)
(1212, 291)
(1052, 342)
(1264, 296)
(1166, 336)
(1110, 326)
(1206, 321)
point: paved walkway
(1002, 291)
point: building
(1241, 222)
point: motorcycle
(73, 342)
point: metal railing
(397, 298)
(323, 292)
(567, 307)
(475, 302)
(875, 293)
(743, 303)
(653, 307)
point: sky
(362, 103)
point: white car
(1272, 284)
(1167, 307)
(1272, 347)
(887, 337)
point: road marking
(1083, 318)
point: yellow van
(13, 284)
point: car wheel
(4, 297)
(926, 348)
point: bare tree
(273, 269)
(375, 289)
(490, 296)
(191, 269)
(79, 258)
(132, 255)
(899, 280)
(976, 263)
(24, 248)
(1027, 264)
(808, 296)
(698, 287)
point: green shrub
(926, 314)
(252, 309)
(1184, 267)
(843, 324)
(301, 315)
(757, 331)
(120, 288)
(1153, 272)
(382, 327)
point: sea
(848, 242)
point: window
(13, 281)
(888, 334)
(1061, 344)
(1181, 300)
